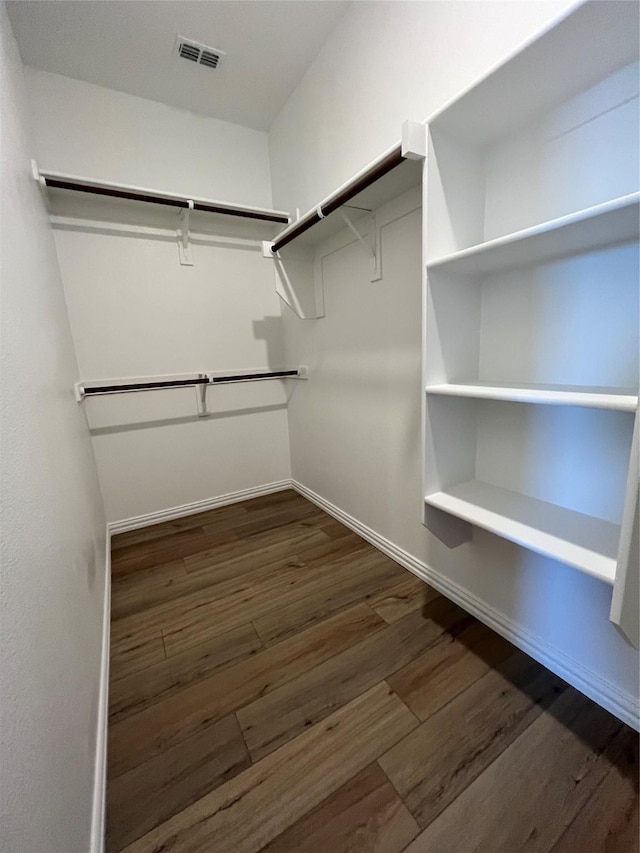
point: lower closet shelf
(582, 541)
(616, 399)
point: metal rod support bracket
(201, 396)
(371, 245)
(184, 236)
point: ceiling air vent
(201, 54)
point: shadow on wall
(163, 422)
(271, 331)
(173, 407)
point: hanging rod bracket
(370, 244)
(267, 249)
(414, 140)
(184, 236)
(201, 397)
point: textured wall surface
(53, 527)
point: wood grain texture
(253, 599)
(159, 681)
(454, 663)
(168, 528)
(124, 585)
(260, 522)
(149, 732)
(282, 714)
(156, 790)
(365, 815)
(274, 543)
(144, 555)
(557, 765)
(217, 608)
(359, 576)
(609, 820)
(376, 721)
(135, 652)
(409, 595)
(446, 753)
(252, 809)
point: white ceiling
(128, 45)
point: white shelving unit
(531, 371)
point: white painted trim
(98, 814)
(623, 705)
(149, 518)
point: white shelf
(59, 185)
(403, 178)
(617, 399)
(582, 541)
(613, 222)
(592, 42)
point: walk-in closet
(320, 368)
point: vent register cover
(201, 54)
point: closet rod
(85, 185)
(126, 387)
(254, 377)
(142, 386)
(359, 183)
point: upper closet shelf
(544, 73)
(399, 169)
(58, 181)
(616, 399)
(605, 224)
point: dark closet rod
(96, 390)
(254, 377)
(342, 196)
(136, 195)
(143, 386)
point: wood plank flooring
(279, 685)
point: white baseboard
(100, 773)
(624, 706)
(138, 521)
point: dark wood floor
(277, 684)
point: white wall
(386, 62)
(135, 311)
(88, 130)
(355, 427)
(53, 528)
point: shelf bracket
(201, 397)
(184, 237)
(371, 245)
